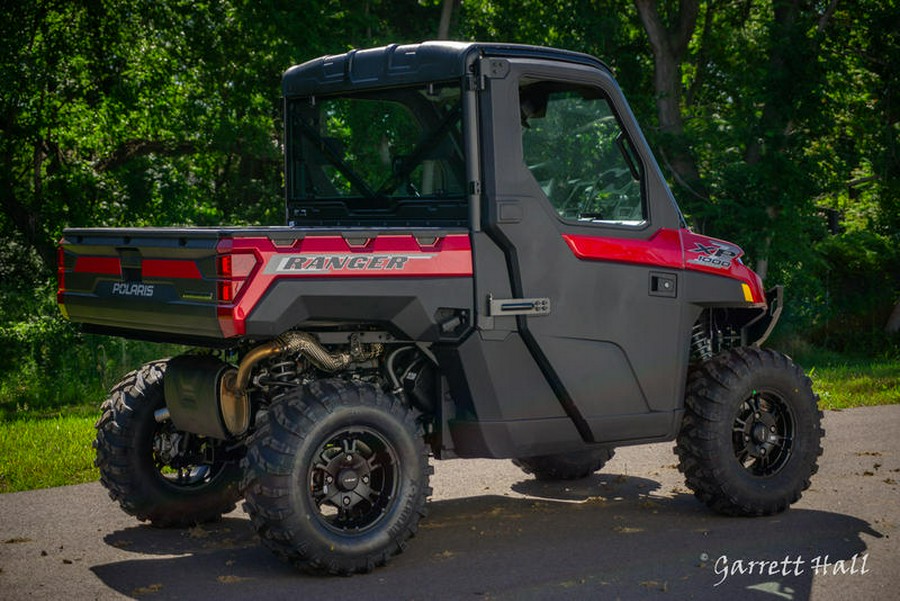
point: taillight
(224, 271)
(61, 278)
(232, 271)
(61, 268)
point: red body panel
(662, 249)
(390, 256)
(672, 249)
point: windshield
(391, 157)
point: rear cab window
(384, 158)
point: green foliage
(860, 276)
(46, 363)
(606, 29)
(164, 112)
(135, 113)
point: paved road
(631, 532)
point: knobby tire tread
(269, 475)
(125, 476)
(713, 394)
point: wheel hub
(348, 480)
(763, 434)
(347, 471)
(353, 480)
(760, 432)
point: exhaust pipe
(233, 398)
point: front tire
(336, 477)
(751, 434)
(156, 472)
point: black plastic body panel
(191, 389)
(409, 306)
(399, 65)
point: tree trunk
(775, 114)
(773, 130)
(669, 46)
(893, 323)
(444, 26)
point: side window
(577, 151)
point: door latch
(663, 284)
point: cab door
(591, 238)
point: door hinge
(495, 68)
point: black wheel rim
(763, 433)
(352, 480)
(183, 460)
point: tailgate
(149, 280)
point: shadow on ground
(607, 535)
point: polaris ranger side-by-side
(481, 259)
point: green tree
(669, 37)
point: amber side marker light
(748, 294)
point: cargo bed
(200, 285)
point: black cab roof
(397, 65)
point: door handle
(518, 306)
(663, 284)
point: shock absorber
(283, 375)
(701, 344)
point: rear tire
(565, 466)
(337, 477)
(155, 472)
(751, 434)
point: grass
(857, 384)
(40, 453)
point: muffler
(199, 398)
